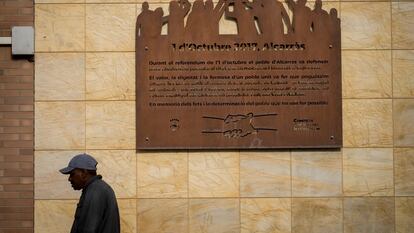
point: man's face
(78, 179)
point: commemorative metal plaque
(274, 84)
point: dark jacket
(97, 210)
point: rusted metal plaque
(276, 84)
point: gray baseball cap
(83, 161)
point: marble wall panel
(403, 68)
(162, 175)
(404, 214)
(404, 171)
(128, 214)
(402, 25)
(110, 1)
(110, 125)
(110, 27)
(54, 215)
(316, 173)
(366, 74)
(59, 27)
(59, 125)
(369, 215)
(57, 215)
(214, 215)
(366, 25)
(367, 123)
(110, 76)
(60, 76)
(214, 174)
(265, 174)
(368, 172)
(47, 175)
(58, 1)
(162, 215)
(403, 122)
(316, 215)
(118, 168)
(265, 215)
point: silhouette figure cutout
(149, 23)
(302, 20)
(196, 26)
(270, 15)
(244, 18)
(213, 16)
(320, 19)
(178, 11)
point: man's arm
(92, 211)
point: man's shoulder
(101, 186)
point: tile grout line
(342, 149)
(84, 70)
(291, 192)
(240, 201)
(392, 116)
(188, 191)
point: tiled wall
(16, 124)
(85, 102)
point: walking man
(97, 210)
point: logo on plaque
(275, 83)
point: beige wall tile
(403, 122)
(404, 171)
(59, 27)
(369, 215)
(265, 215)
(364, 0)
(57, 216)
(403, 68)
(214, 174)
(110, 27)
(162, 215)
(404, 214)
(59, 1)
(316, 174)
(110, 1)
(110, 125)
(118, 168)
(367, 123)
(153, 2)
(162, 175)
(227, 27)
(54, 216)
(60, 76)
(265, 174)
(49, 182)
(368, 172)
(214, 216)
(128, 214)
(366, 74)
(60, 125)
(402, 25)
(366, 25)
(110, 76)
(316, 215)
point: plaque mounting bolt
(332, 137)
(146, 48)
(330, 46)
(147, 139)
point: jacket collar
(91, 180)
